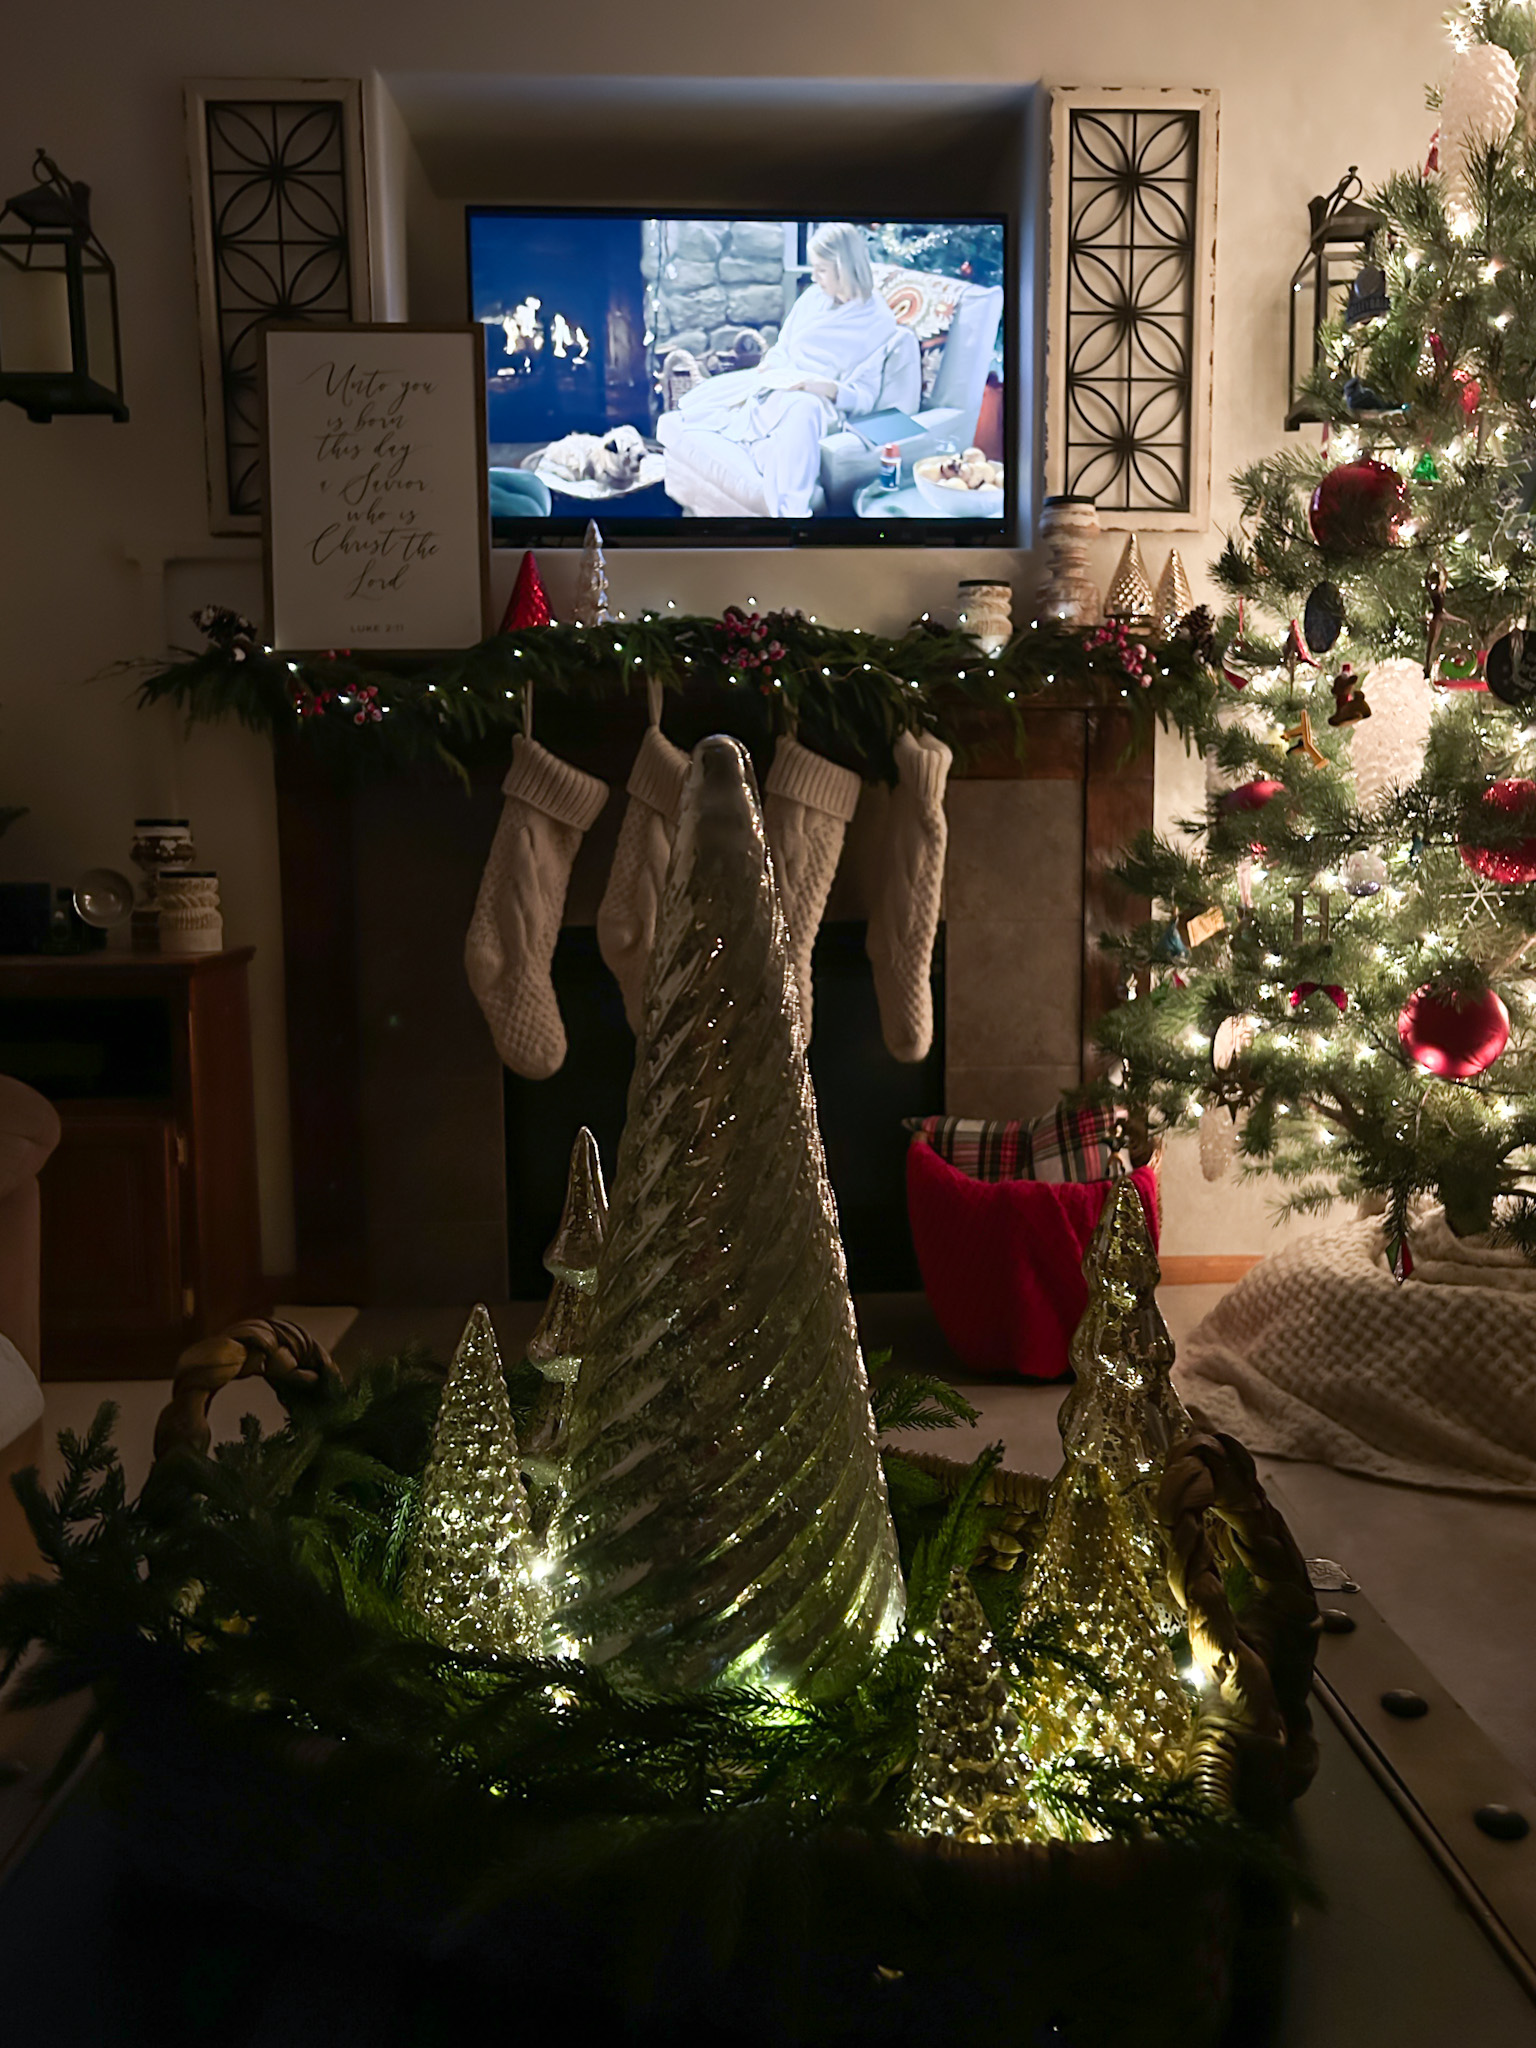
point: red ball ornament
(1358, 507)
(1515, 861)
(1252, 796)
(1453, 1036)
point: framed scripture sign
(376, 507)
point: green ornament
(472, 1568)
(724, 1517)
(1425, 470)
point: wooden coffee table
(1413, 1948)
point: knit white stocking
(626, 917)
(807, 803)
(905, 916)
(511, 937)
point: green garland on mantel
(846, 692)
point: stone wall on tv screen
(706, 280)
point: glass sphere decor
(1451, 1034)
(1358, 508)
(1510, 863)
(1511, 668)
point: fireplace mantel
(395, 1089)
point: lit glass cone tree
(1122, 1412)
(965, 1781)
(1098, 1577)
(725, 1517)
(472, 1570)
(1341, 952)
(556, 1346)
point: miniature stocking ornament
(906, 913)
(807, 802)
(511, 937)
(626, 917)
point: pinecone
(1199, 629)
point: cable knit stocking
(807, 803)
(906, 912)
(626, 917)
(511, 937)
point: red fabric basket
(1002, 1261)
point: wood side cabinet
(151, 1231)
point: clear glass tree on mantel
(1338, 977)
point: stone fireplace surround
(400, 1161)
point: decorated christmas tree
(1337, 976)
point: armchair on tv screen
(700, 378)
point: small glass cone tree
(1341, 957)
(1099, 1574)
(724, 1515)
(472, 1568)
(556, 1346)
(592, 580)
(965, 1781)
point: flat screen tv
(695, 377)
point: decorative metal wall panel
(1135, 206)
(277, 193)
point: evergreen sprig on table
(253, 1595)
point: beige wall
(103, 532)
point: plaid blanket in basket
(1066, 1145)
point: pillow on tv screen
(1002, 1261)
(1067, 1144)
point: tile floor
(1454, 1576)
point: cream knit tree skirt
(1319, 1354)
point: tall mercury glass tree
(725, 1517)
(1338, 976)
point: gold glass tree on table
(1099, 1577)
(724, 1516)
(472, 1570)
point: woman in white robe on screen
(826, 366)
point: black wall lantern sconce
(59, 346)
(1336, 278)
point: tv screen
(695, 377)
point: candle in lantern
(34, 320)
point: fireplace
(424, 1174)
(862, 1094)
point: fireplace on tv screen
(694, 377)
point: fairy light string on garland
(852, 692)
